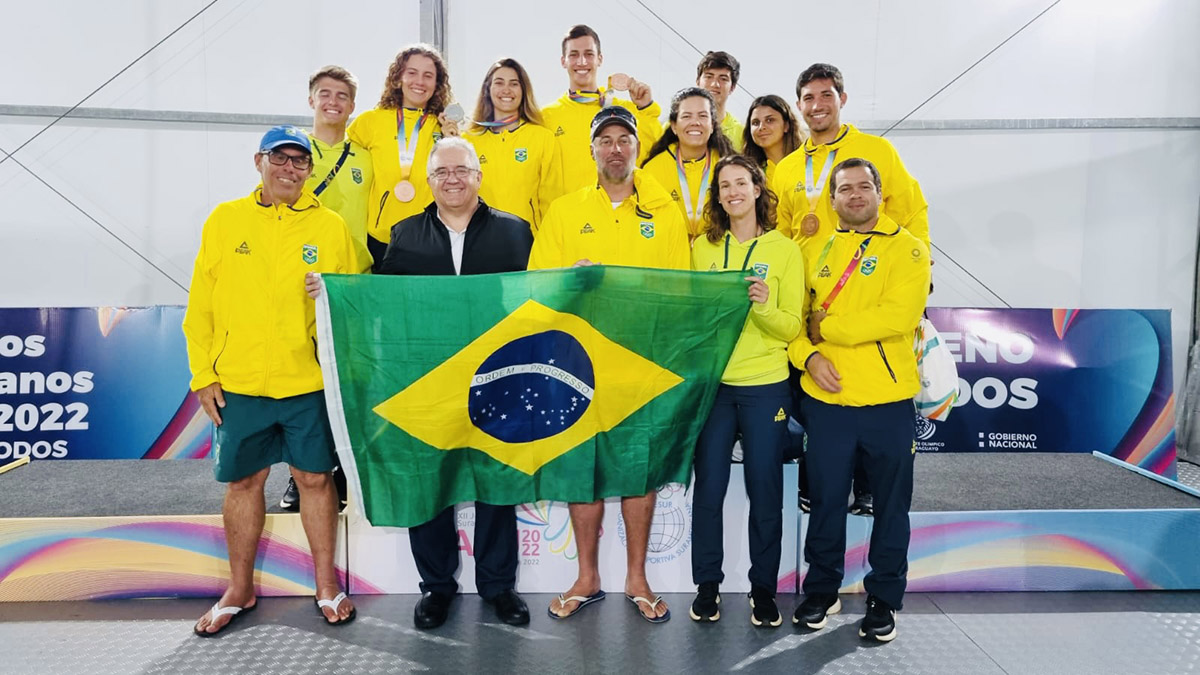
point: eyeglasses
(459, 172)
(625, 142)
(301, 162)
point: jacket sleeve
(650, 129)
(905, 203)
(198, 324)
(781, 320)
(357, 131)
(547, 245)
(550, 181)
(898, 311)
(679, 249)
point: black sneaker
(880, 622)
(339, 482)
(864, 505)
(291, 497)
(815, 610)
(707, 605)
(763, 611)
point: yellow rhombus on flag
(451, 406)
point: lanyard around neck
(745, 262)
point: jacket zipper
(885, 361)
(381, 203)
(223, 346)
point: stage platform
(83, 529)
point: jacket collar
(306, 201)
(847, 131)
(885, 226)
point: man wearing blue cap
(251, 344)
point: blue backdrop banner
(1059, 380)
(97, 383)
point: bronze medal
(618, 82)
(809, 224)
(405, 191)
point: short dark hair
(852, 163)
(821, 71)
(578, 31)
(717, 60)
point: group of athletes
(830, 230)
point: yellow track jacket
(868, 333)
(522, 170)
(249, 324)
(760, 356)
(646, 230)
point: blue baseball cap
(284, 134)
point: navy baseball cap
(284, 134)
(613, 114)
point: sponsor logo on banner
(671, 527)
(1005, 442)
(926, 430)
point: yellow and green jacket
(665, 169)
(376, 130)
(571, 124)
(349, 193)
(868, 331)
(903, 201)
(760, 356)
(249, 324)
(522, 170)
(645, 230)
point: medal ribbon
(499, 123)
(408, 146)
(587, 96)
(813, 190)
(862, 248)
(744, 262)
(692, 211)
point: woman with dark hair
(682, 159)
(753, 398)
(399, 132)
(771, 133)
(522, 167)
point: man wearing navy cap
(624, 218)
(251, 342)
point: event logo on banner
(544, 529)
(97, 383)
(671, 527)
(1058, 380)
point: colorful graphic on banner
(1059, 380)
(148, 556)
(1085, 550)
(97, 383)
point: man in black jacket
(459, 234)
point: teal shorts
(257, 431)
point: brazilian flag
(568, 385)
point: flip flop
(583, 600)
(653, 607)
(217, 612)
(334, 604)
